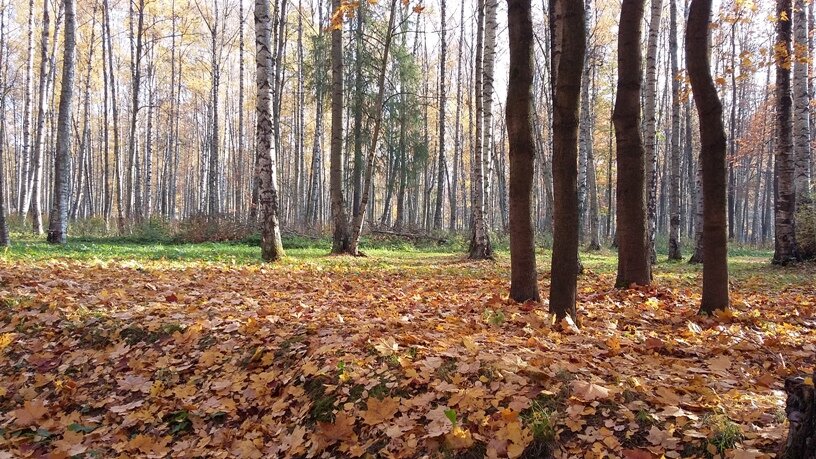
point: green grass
(385, 254)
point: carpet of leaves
(348, 359)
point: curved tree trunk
(568, 34)
(634, 265)
(712, 157)
(523, 282)
(271, 247)
(58, 226)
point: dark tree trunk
(634, 266)
(568, 34)
(712, 157)
(523, 283)
(801, 412)
(341, 237)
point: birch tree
(58, 225)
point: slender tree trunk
(84, 146)
(457, 147)
(712, 157)
(120, 208)
(134, 106)
(359, 96)
(674, 181)
(480, 247)
(523, 282)
(214, 172)
(785, 247)
(801, 102)
(650, 124)
(4, 232)
(25, 172)
(58, 225)
(39, 133)
(357, 224)
(341, 237)
(271, 246)
(568, 32)
(634, 265)
(440, 180)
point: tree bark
(39, 132)
(785, 247)
(712, 157)
(801, 102)
(800, 409)
(480, 247)
(440, 177)
(523, 282)
(341, 238)
(58, 226)
(650, 124)
(674, 179)
(634, 265)
(568, 34)
(271, 246)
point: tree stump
(801, 412)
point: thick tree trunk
(712, 157)
(58, 226)
(801, 413)
(634, 265)
(271, 246)
(568, 34)
(785, 247)
(523, 282)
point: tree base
(481, 252)
(801, 412)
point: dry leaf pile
(118, 359)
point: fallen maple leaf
(387, 346)
(380, 410)
(31, 412)
(342, 429)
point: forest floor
(110, 349)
